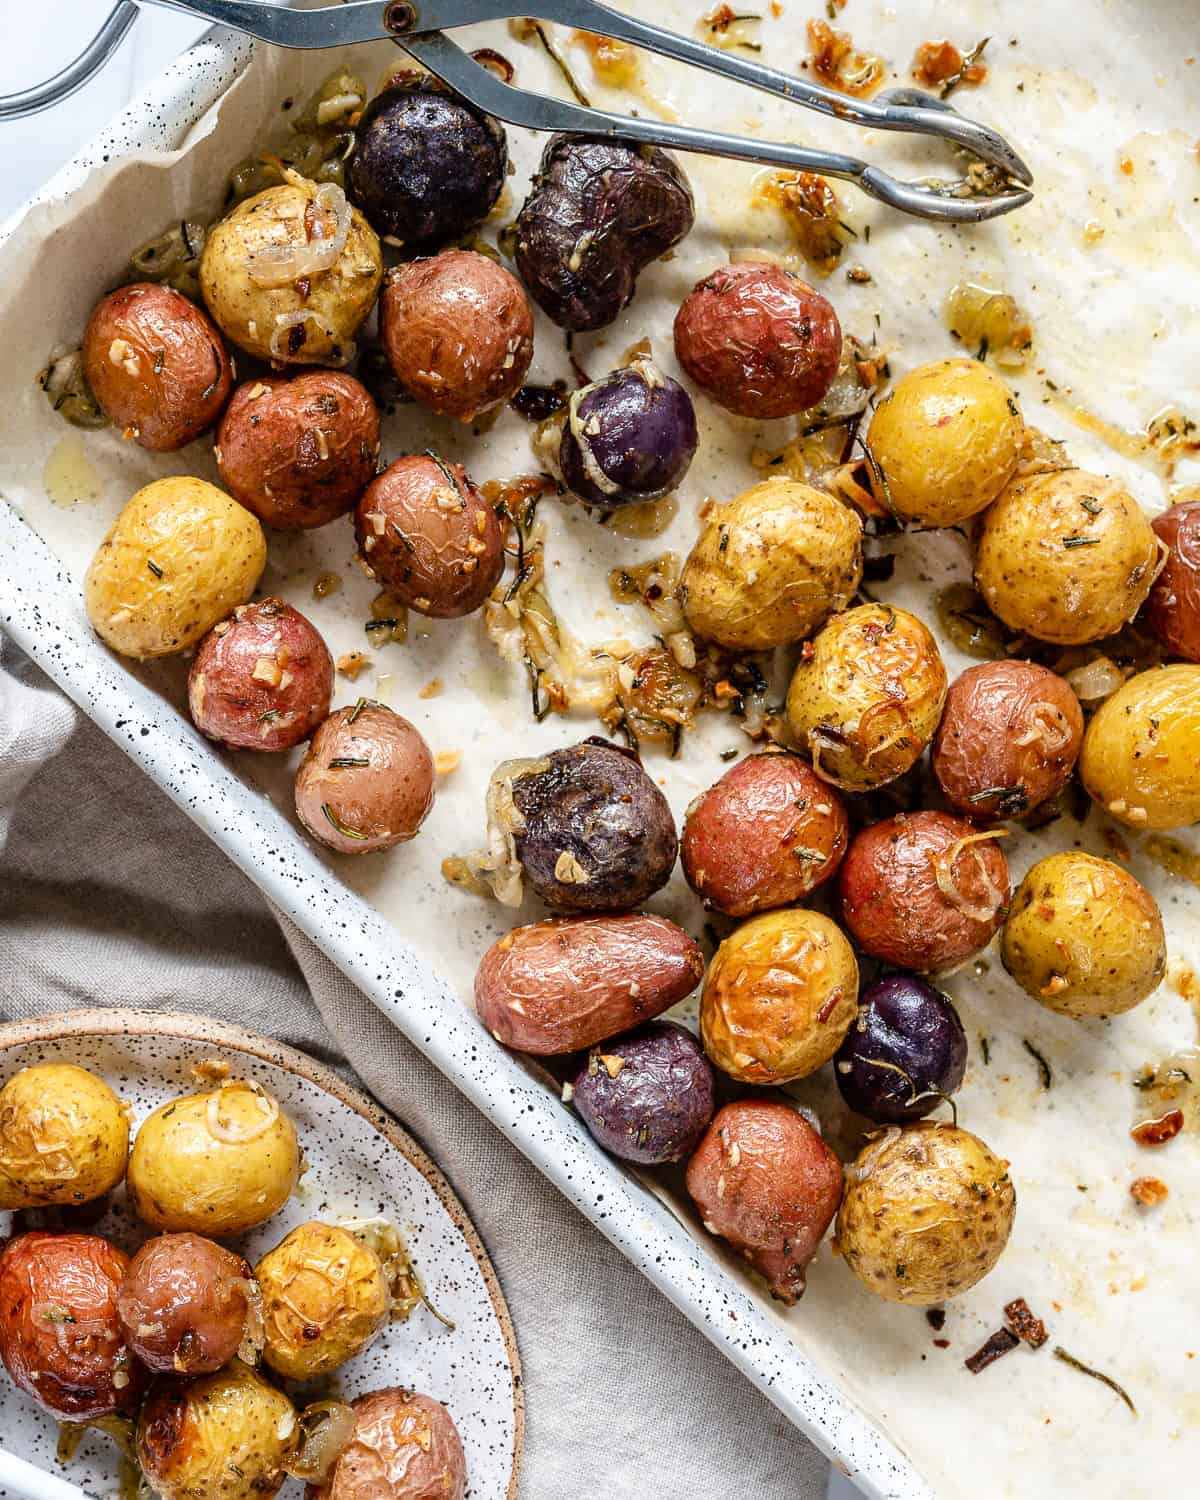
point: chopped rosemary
(1081, 541)
(358, 708)
(265, 718)
(345, 831)
(1091, 504)
(1045, 1072)
(985, 1050)
(560, 63)
(1078, 1364)
(804, 853)
(730, 754)
(969, 58)
(341, 762)
(160, 358)
(154, 567)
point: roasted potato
(188, 1305)
(1141, 753)
(866, 701)
(261, 679)
(628, 437)
(217, 1164)
(177, 559)
(64, 1137)
(156, 365)
(1084, 937)
(366, 780)
(945, 440)
(771, 566)
(780, 994)
(405, 1447)
(904, 1054)
(299, 452)
(1066, 556)
(927, 1212)
(1173, 606)
(763, 1179)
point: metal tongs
(419, 27)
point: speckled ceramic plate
(361, 1164)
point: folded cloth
(110, 896)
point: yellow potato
(177, 559)
(771, 565)
(64, 1137)
(215, 1164)
(1083, 937)
(253, 281)
(1141, 752)
(1066, 556)
(946, 439)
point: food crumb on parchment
(352, 663)
(1148, 1191)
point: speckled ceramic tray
(361, 1164)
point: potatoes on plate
(64, 1137)
(1173, 608)
(1141, 751)
(188, 1305)
(405, 1446)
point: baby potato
(1084, 937)
(1066, 556)
(156, 365)
(325, 1297)
(771, 566)
(866, 701)
(299, 452)
(225, 1436)
(177, 559)
(946, 440)
(927, 1212)
(64, 1137)
(291, 274)
(1173, 608)
(1141, 753)
(216, 1164)
(780, 995)
(187, 1305)
(405, 1447)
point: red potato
(299, 451)
(405, 1447)
(767, 834)
(923, 891)
(60, 1337)
(262, 678)
(156, 364)
(763, 1179)
(1173, 609)
(568, 983)
(184, 1304)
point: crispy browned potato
(185, 1303)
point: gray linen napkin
(109, 895)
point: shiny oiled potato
(215, 1164)
(325, 1297)
(927, 1212)
(1084, 937)
(64, 1137)
(405, 1447)
(866, 701)
(771, 566)
(1173, 608)
(177, 559)
(225, 1436)
(291, 274)
(1066, 556)
(946, 440)
(187, 1305)
(156, 365)
(1141, 751)
(780, 995)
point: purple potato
(907, 1025)
(646, 1096)
(628, 437)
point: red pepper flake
(1002, 1342)
(1155, 1132)
(941, 1343)
(1148, 1191)
(1028, 1329)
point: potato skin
(458, 332)
(771, 566)
(893, 906)
(208, 554)
(261, 679)
(183, 1178)
(780, 995)
(867, 700)
(1084, 937)
(370, 807)
(1173, 608)
(763, 1179)
(64, 1137)
(223, 1437)
(156, 364)
(184, 1304)
(765, 835)
(60, 1337)
(927, 1212)
(567, 983)
(759, 340)
(1011, 725)
(430, 537)
(1066, 556)
(1141, 752)
(339, 298)
(299, 452)
(947, 438)
(405, 1447)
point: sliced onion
(1048, 724)
(253, 1332)
(497, 867)
(583, 442)
(285, 322)
(943, 869)
(860, 1170)
(1096, 680)
(281, 265)
(237, 1135)
(326, 1431)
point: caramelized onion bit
(1048, 724)
(943, 869)
(1095, 680)
(326, 1431)
(281, 265)
(237, 1135)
